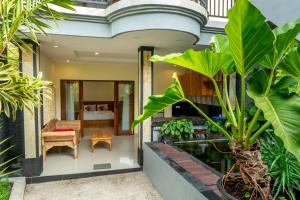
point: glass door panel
(124, 107)
(70, 100)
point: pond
(215, 153)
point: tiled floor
(131, 186)
(122, 156)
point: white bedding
(98, 115)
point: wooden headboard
(111, 104)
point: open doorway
(99, 104)
(102, 107)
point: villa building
(98, 62)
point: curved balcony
(215, 8)
(124, 16)
(179, 15)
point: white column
(29, 118)
(145, 90)
(32, 164)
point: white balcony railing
(219, 8)
(215, 8)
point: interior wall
(98, 91)
(104, 71)
(89, 71)
(47, 67)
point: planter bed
(177, 175)
(17, 188)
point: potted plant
(257, 54)
(176, 130)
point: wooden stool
(101, 137)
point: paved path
(131, 186)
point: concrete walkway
(131, 186)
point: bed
(98, 114)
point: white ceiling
(122, 48)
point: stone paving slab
(131, 186)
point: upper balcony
(110, 18)
(215, 8)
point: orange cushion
(63, 129)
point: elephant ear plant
(254, 51)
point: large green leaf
(220, 44)
(294, 87)
(157, 103)
(283, 112)
(204, 62)
(258, 81)
(250, 37)
(291, 63)
(284, 38)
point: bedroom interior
(98, 104)
(104, 110)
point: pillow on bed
(86, 107)
(92, 107)
(102, 107)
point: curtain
(72, 99)
(126, 106)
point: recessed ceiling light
(96, 53)
(55, 46)
(67, 61)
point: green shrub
(211, 128)
(178, 129)
(282, 166)
(5, 188)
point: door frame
(116, 122)
(117, 109)
(63, 109)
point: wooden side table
(101, 137)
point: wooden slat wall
(199, 88)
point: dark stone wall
(14, 130)
(3, 135)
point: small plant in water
(211, 128)
(178, 129)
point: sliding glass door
(124, 97)
(70, 100)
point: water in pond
(215, 153)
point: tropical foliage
(21, 21)
(178, 129)
(212, 128)
(254, 51)
(5, 165)
(283, 166)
